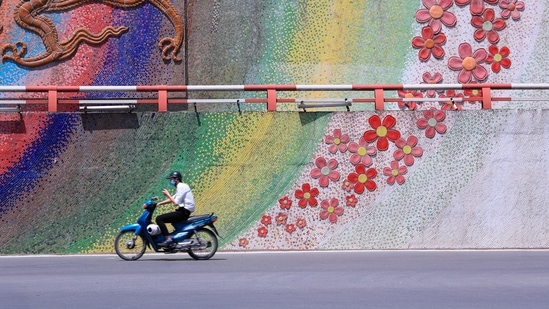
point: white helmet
(153, 229)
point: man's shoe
(166, 243)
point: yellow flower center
(394, 172)
(381, 131)
(498, 57)
(407, 149)
(307, 195)
(331, 209)
(362, 178)
(337, 141)
(436, 11)
(429, 43)
(469, 63)
(361, 151)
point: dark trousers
(180, 215)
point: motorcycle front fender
(131, 227)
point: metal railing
(51, 96)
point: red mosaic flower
(362, 179)
(301, 223)
(432, 122)
(436, 14)
(351, 200)
(476, 93)
(407, 149)
(281, 218)
(262, 231)
(498, 58)
(285, 203)
(266, 220)
(307, 196)
(487, 26)
(511, 8)
(468, 63)
(330, 210)
(451, 104)
(325, 171)
(290, 228)
(429, 44)
(362, 153)
(243, 242)
(382, 131)
(409, 94)
(395, 173)
(337, 141)
(431, 79)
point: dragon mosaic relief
(28, 16)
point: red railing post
(379, 99)
(162, 100)
(271, 100)
(52, 100)
(486, 98)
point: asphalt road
(357, 279)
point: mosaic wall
(422, 175)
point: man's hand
(166, 193)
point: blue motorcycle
(196, 236)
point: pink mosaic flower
(362, 179)
(451, 103)
(262, 232)
(351, 200)
(266, 220)
(487, 26)
(498, 58)
(395, 173)
(408, 94)
(362, 153)
(281, 218)
(431, 79)
(307, 196)
(301, 223)
(285, 203)
(476, 6)
(429, 44)
(407, 149)
(468, 63)
(511, 8)
(290, 228)
(325, 171)
(432, 122)
(337, 141)
(347, 186)
(382, 131)
(330, 210)
(436, 14)
(243, 242)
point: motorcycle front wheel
(130, 247)
(207, 245)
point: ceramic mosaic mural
(424, 174)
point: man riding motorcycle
(184, 201)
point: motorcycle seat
(197, 218)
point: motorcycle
(196, 236)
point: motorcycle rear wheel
(208, 238)
(130, 247)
